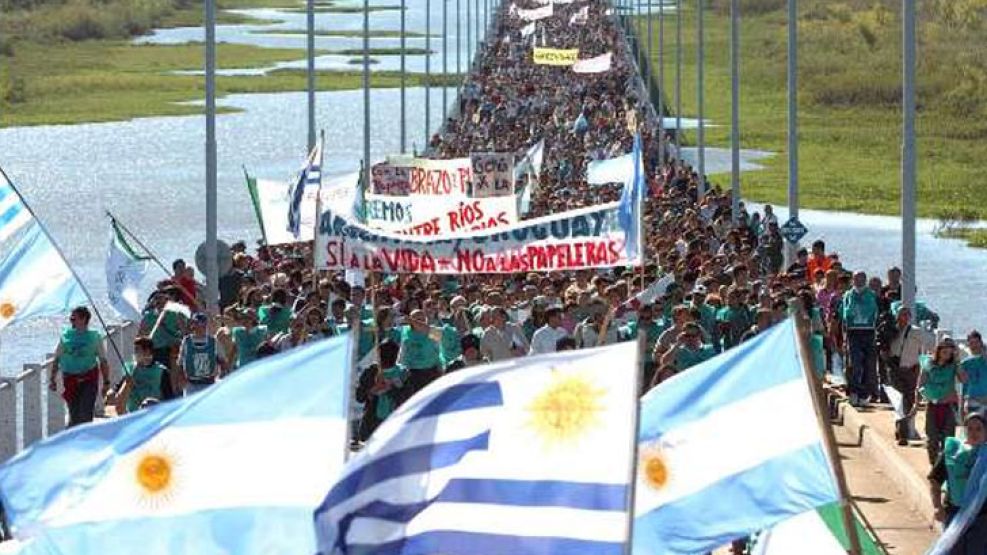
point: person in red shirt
(184, 280)
(818, 259)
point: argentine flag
(236, 469)
(35, 280)
(13, 213)
(528, 456)
(729, 447)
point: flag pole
(356, 332)
(137, 240)
(642, 341)
(85, 290)
(829, 439)
(318, 206)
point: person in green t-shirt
(144, 379)
(247, 337)
(81, 359)
(937, 383)
(419, 352)
(689, 349)
(973, 374)
(275, 314)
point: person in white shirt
(546, 337)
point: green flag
(255, 200)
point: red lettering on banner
(616, 248)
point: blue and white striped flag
(235, 469)
(631, 202)
(729, 447)
(310, 175)
(528, 456)
(13, 214)
(953, 538)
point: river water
(150, 173)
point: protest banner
(555, 56)
(429, 177)
(586, 238)
(493, 174)
(439, 216)
(536, 14)
(390, 179)
(338, 192)
(599, 64)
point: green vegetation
(352, 34)
(114, 80)
(383, 52)
(975, 237)
(849, 100)
(343, 9)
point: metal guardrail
(30, 412)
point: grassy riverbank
(109, 81)
(849, 95)
(101, 76)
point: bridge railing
(30, 412)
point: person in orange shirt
(818, 259)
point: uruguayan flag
(729, 447)
(311, 174)
(528, 456)
(35, 280)
(236, 469)
(13, 214)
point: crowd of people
(730, 277)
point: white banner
(493, 174)
(536, 14)
(587, 238)
(431, 177)
(580, 17)
(389, 179)
(532, 159)
(338, 192)
(529, 29)
(599, 64)
(614, 170)
(439, 216)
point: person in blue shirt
(419, 352)
(858, 311)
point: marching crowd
(710, 283)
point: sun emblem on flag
(155, 473)
(653, 466)
(566, 410)
(7, 310)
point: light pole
(212, 264)
(735, 110)
(445, 59)
(909, 281)
(310, 55)
(366, 96)
(661, 73)
(793, 153)
(428, 70)
(678, 79)
(700, 66)
(404, 120)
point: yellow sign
(556, 56)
